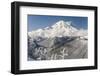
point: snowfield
(60, 41)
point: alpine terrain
(60, 41)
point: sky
(41, 21)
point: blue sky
(41, 21)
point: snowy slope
(60, 41)
(59, 29)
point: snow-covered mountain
(60, 41)
(59, 29)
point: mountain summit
(59, 29)
(62, 23)
(59, 41)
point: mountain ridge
(59, 41)
(59, 29)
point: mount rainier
(59, 41)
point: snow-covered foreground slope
(60, 41)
